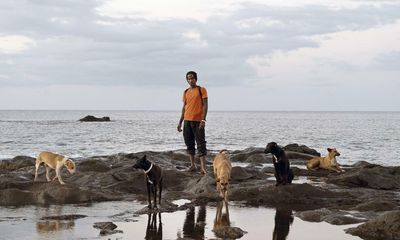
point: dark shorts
(193, 134)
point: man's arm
(179, 128)
(205, 110)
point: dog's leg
(47, 173)
(37, 165)
(160, 186)
(148, 193)
(58, 174)
(155, 194)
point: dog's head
(333, 152)
(271, 147)
(224, 182)
(142, 163)
(70, 165)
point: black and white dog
(154, 178)
(283, 173)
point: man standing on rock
(194, 112)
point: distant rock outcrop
(90, 118)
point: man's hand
(202, 124)
(179, 128)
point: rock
(324, 214)
(377, 205)
(370, 176)
(227, 232)
(90, 118)
(105, 225)
(239, 174)
(64, 217)
(386, 227)
(92, 165)
(107, 228)
(294, 147)
(17, 163)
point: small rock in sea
(90, 118)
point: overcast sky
(250, 55)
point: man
(194, 112)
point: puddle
(196, 222)
(263, 165)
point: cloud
(336, 55)
(152, 44)
(14, 44)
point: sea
(358, 136)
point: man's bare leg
(203, 164)
(193, 163)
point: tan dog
(56, 162)
(328, 162)
(222, 172)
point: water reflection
(283, 220)
(154, 228)
(195, 229)
(53, 226)
(45, 226)
(221, 219)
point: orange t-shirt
(193, 104)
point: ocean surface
(368, 136)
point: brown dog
(328, 162)
(222, 172)
(56, 162)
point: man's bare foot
(204, 172)
(192, 169)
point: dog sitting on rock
(283, 173)
(154, 178)
(328, 162)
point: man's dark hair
(193, 73)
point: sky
(251, 55)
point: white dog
(54, 161)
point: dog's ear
(329, 149)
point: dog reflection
(53, 226)
(221, 219)
(192, 229)
(283, 220)
(154, 229)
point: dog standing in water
(154, 178)
(222, 172)
(328, 162)
(56, 162)
(283, 173)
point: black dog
(154, 178)
(283, 173)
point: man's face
(191, 80)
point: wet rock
(90, 118)
(93, 165)
(227, 232)
(239, 174)
(17, 163)
(384, 227)
(107, 228)
(332, 217)
(294, 147)
(64, 217)
(369, 176)
(377, 205)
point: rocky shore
(366, 193)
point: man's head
(191, 78)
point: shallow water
(196, 223)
